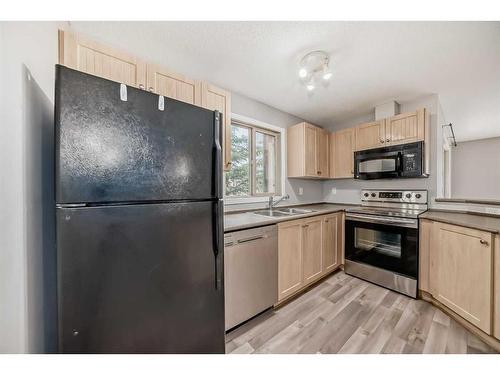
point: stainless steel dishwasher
(250, 273)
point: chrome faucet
(273, 203)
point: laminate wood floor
(344, 314)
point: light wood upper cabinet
(332, 241)
(322, 156)
(405, 128)
(370, 135)
(311, 155)
(307, 151)
(312, 252)
(461, 272)
(173, 85)
(342, 153)
(217, 99)
(289, 258)
(88, 56)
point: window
(256, 161)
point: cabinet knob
(151, 89)
(319, 172)
(141, 86)
(388, 140)
(381, 141)
(483, 242)
(305, 226)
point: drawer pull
(483, 242)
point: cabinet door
(496, 293)
(94, 58)
(424, 254)
(460, 273)
(322, 152)
(310, 154)
(173, 85)
(217, 99)
(289, 258)
(370, 135)
(344, 154)
(332, 242)
(312, 250)
(405, 128)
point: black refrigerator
(139, 220)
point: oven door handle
(403, 222)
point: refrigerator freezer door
(140, 279)
(110, 150)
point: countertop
(245, 220)
(465, 219)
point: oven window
(377, 165)
(380, 242)
(388, 247)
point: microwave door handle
(399, 163)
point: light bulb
(327, 76)
(302, 73)
(310, 87)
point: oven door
(384, 242)
(369, 165)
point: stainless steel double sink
(280, 212)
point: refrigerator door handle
(218, 244)
(217, 150)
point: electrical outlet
(334, 190)
(301, 191)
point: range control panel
(396, 196)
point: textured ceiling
(372, 62)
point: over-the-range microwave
(398, 161)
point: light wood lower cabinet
(496, 294)
(459, 262)
(312, 250)
(308, 249)
(332, 241)
(289, 258)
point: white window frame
(228, 200)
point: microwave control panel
(409, 162)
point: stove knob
(408, 195)
(374, 195)
(366, 194)
(418, 196)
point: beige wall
(475, 169)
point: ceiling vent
(385, 110)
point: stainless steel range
(381, 238)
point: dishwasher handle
(249, 239)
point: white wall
(476, 169)
(347, 190)
(27, 284)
